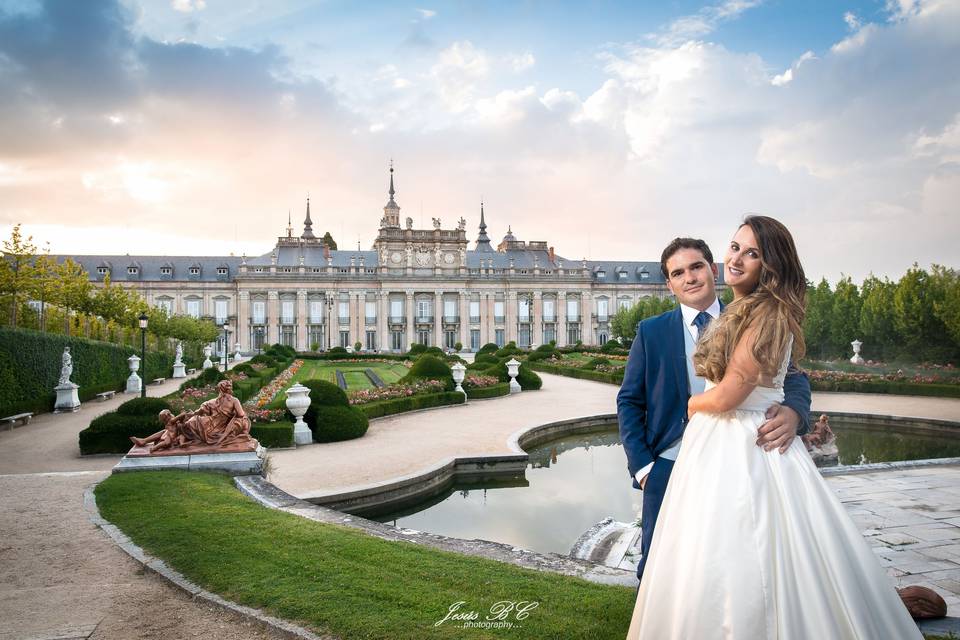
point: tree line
(916, 318)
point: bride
(749, 543)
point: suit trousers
(653, 491)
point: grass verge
(339, 580)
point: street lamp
(226, 328)
(143, 353)
(329, 302)
(259, 340)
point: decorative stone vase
(298, 401)
(856, 359)
(134, 382)
(207, 352)
(513, 368)
(458, 373)
(236, 355)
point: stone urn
(513, 368)
(298, 401)
(458, 373)
(236, 355)
(857, 358)
(134, 381)
(207, 352)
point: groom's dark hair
(684, 243)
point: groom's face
(692, 279)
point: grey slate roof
(150, 267)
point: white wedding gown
(754, 545)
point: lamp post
(329, 303)
(143, 352)
(259, 340)
(226, 327)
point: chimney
(553, 257)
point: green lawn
(339, 580)
(353, 372)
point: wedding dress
(752, 544)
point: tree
(845, 316)
(913, 302)
(947, 307)
(17, 270)
(329, 241)
(46, 285)
(624, 322)
(75, 289)
(876, 316)
(816, 326)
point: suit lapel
(678, 353)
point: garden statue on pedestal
(179, 369)
(236, 355)
(207, 352)
(821, 442)
(215, 436)
(67, 398)
(134, 381)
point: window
(166, 304)
(423, 337)
(259, 312)
(523, 308)
(131, 271)
(601, 273)
(523, 340)
(222, 271)
(474, 339)
(474, 311)
(288, 335)
(343, 311)
(166, 271)
(258, 270)
(194, 271)
(549, 310)
(449, 310)
(644, 275)
(549, 333)
(573, 310)
(286, 270)
(220, 311)
(286, 311)
(602, 309)
(499, 337)
(423, 311)
(315, 337)
(623, 303)
(344, 339)
(396, 311)
(256, 338)
(316, 311)
(498, 311)
(371, 311)
(573, 334)
(449, 339)
(371, 340)
(102, 271)
(193, 308)
(396, 340)
(603, 338)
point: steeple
(289, 225)
(483, 241)
(391, 212)
(308, 225)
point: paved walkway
(62, 578)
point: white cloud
(787, 76)
(458, 70)
(426, 14)
(853, 22)
(506, 106)
(188, 6)
(701, 23)
(521, 62)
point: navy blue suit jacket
(652, 402)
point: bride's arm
(741, 377)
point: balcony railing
(549, 318)
(397, 320)
(424, 319)
(451, 319)
(524, 319)
(258, 320)
(573, 318)
(602, 318)
(475, 319)
(316, 320)
(287, 320)
(343, 319)
(498, 319)
(371, 319)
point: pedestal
(234, 463)
(301, 433)
(180, 370)
(207, 363)
(134, 383)
(515, 386)
(67, 398)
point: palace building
(414, 286)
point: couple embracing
(741, 536)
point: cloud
(426, 14)
(521, 62)
(853, 22)
(188, 6)
(701, 23)
(459, 68)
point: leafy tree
(876, 316)
(844, 326)
(726, 296)
(816, 326)
(46, 285)
(913, 303)
(17, 270)
(329, 241)
(947, 308)
(624, 322)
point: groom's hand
(779, 430)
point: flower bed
(893, 383)
(366, 396)
(479, 381)
(270, 390)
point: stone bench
(106, 395)
(159, 380)
(190, 372)
(10, 421)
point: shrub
(417, 349)
(434, 351)
(314, 346)
(550, 347)
(611, 346)
(263, 358)
(486, 359)
(412, 403)
(110, 433)
(613, 377)
(357, 346)
(475, 393)
(458, 347)
(509, 350)
(490, 347)
(539, 355)
(593, 362)
(322, 394)
(273, 434)
(245, 369)
(432, 368)
(528, 380)
(209, 376)
(334, 423)
(338, 351)
(143, 407)
(280, 351)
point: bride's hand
(691, 408)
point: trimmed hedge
(430, 367)
(528, 380)
(110, 433)
(209, 376)
(494, 391)
(411, 403)
(888, 386)
(273, 435)
(416, 349)
(581, 374)
(326, 394)
(399, 357)
(143, 407)
(490, 347)
(335, 423)
(30, 368)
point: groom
(659, 379)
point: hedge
(143, 407)
(273, 434)
(335, 423)
(888, 386)
(582, 374)
(110, 433)
(352, 356)
(410, 403)
(30, 368)
(495, 391)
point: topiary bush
(539, 355)
(143, 407)
(550, 347)
(337, 351)
(490, 347)
(432, 368)
(209, 376)
(528, 380)
(322, 394)
(593, 362)
(110, 433)
(245, 369)
(486, 359)
(336, 423)
(510, 349)
(263, 358)
(434, 351)
(416, 349)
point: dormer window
(102, 271)
(644, 275)
(131, 271)
(622, 275)
(221, 271)
(601, 273)
(166, 271)
(194, 271)
(287, 270)
(258, 270)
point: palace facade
(414, 286)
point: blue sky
(604, 128)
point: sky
(192, 127)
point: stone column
(586, 328)
(464, 318)
(561, 318)
(536, 318)
(243, 320)
(383, 313)
(300, 340)
(510, 301)
(358, 321)
(484, 318)
(272, 335)
(410, 314)
(438, 319)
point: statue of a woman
(66, 368)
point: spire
(391, 212)
(308, 225)
(483, 241)
(289, 225)
(391, 181)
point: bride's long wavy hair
(775, 307)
